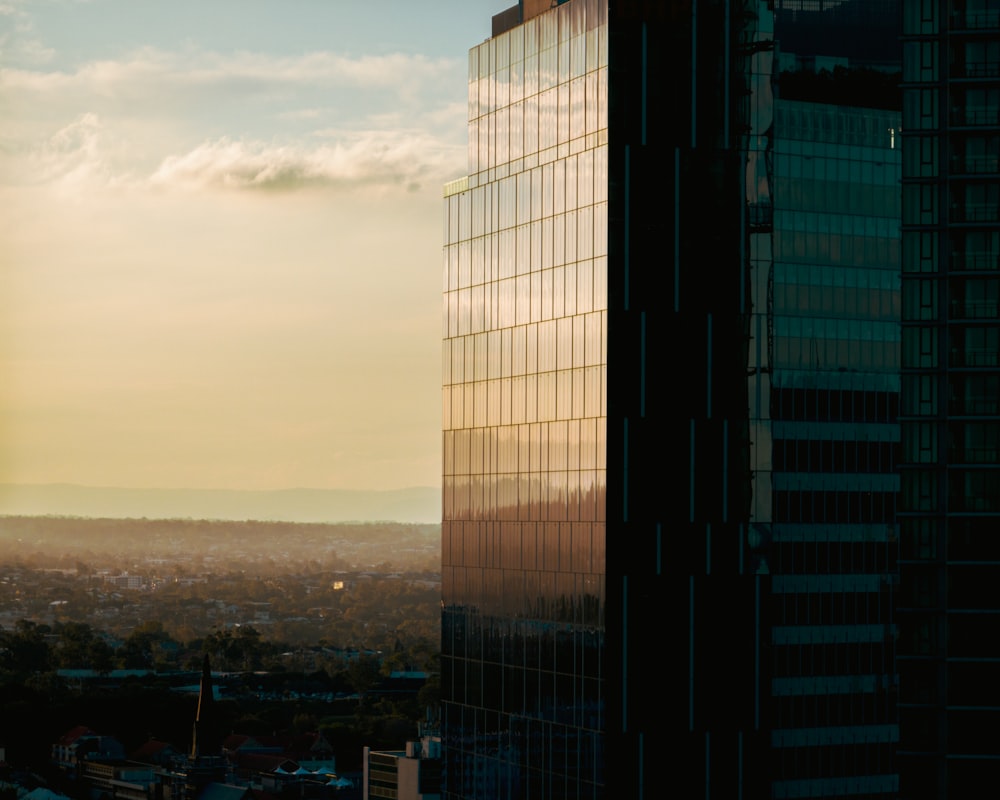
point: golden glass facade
(524, 414)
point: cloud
(204, 120)
(77, 155)
(377, 158)
(17, 41)
(149, 68)
(85, 155)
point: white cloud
(244, 121)
(76, 156)
(85, 156)
(149, 68)
(18, 44)
(387, 159)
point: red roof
(151, 748)
(76, 733)
(235, 741)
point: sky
(220, 244)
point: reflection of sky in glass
(525, 354)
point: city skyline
(219, 266)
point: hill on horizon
(416, 504)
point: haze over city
(221, 242)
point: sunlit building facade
(525, 416)
(950, 499)
(670, 395)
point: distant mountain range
(418, 504)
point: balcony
(975, 165)
(976, 69)
(975, 117)
(975, 262)
(978, 20)
(974, 358)
(981, 454)
(975, 212)
(975, 309)
(975, 406)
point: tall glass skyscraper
(950, 501)
(826, 442)
(669, 417)
(525, 416)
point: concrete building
(410, 774)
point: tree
(101, 656)
(429, 695)
(363, 673)
(73, 649)
(24, 649)
(238, 648)
(144, 646)
(46, 684)
(304, 722)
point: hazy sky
(220, 238)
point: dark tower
(950, 501)
(205, 738)
(205, 764)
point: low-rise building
(81, 744)
(410, 774)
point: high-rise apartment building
(670, 398)
(950, 500)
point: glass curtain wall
(834, 406)
(524, 416)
